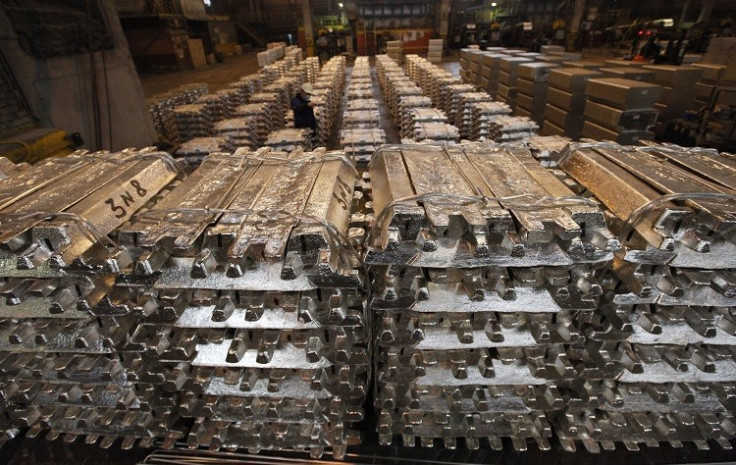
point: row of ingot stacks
(161, 106)
(252, 123)
(360, 134)
(431, 78)
(395, 85)
(250, 305)
(458, 101)
(359, 89)
(273, 86)
(328, 91)
(473, 296)
(663, 346)
(61, 372)
(474, 113)
(404, 96)
(620, 110)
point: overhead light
(340, 5)
(494, 4)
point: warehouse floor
(217, 76)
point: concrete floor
(218, 76)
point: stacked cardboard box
(679, 90)
(507, 78)
(620, 110)
(563, 114)
(531, 84)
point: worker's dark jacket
(303, 113)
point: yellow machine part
(35, 145)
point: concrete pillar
(683, 14)
(577, 18)
(443, 19)
(308, 26)
(706, 11)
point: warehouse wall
(13, 116)
(59, 89)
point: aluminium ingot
(500, 173)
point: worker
(304, 109)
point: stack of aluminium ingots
(161, 107)
(547, 149)
(290, 139)
(511, 128)
(257, 330)
(238, 132)
(361, 104)
(219, 105)
(193, 120)
(59, 371)
(465, 102)
(361, 143)
(274, 109)
(196, 150)
(662, 348)
(247, 86)
(260, 114)
(406, 105)
(483, 114)
(473, 296)
(434, 131)
(413, 116)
